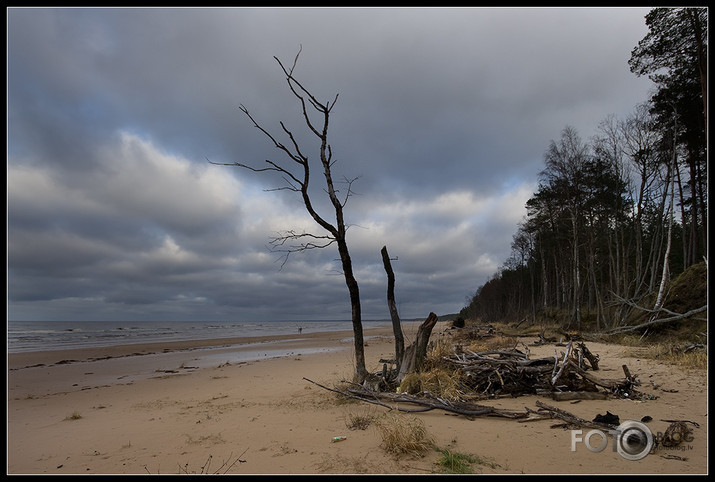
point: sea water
(27, 336)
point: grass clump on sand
(438, 382)
(458, 463)
(355, 421)
(403, 435)
(73, 416)
(455, 462)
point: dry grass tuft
(438, 382)
(442, 347)
(496, 342)
(359, 421)
(73, 416)
(404, 435)
(671, 353)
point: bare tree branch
(292, 235)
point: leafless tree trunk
(396, 326)
(295, 171)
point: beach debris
(675, 434)
(674, 457)
(339, 438)
(608, 418)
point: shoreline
(17, 360)
(48, 337)
(92, 367)
(167, 413)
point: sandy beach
(242, 406)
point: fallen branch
(465, 408)
(572, 419)
(426, 404)
(624, 329)
(368, 400)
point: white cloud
(138, 180)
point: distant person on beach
(300, 330)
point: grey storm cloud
(443, 116)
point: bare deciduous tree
(295, 171)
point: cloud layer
(443, 115)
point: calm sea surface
(25, 336)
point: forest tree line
(615, 216)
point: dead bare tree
(295, 172)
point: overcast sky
(444, 115)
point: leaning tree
(294, 168)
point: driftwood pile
(511, 372)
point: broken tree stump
(592, 359)
(415, 354)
